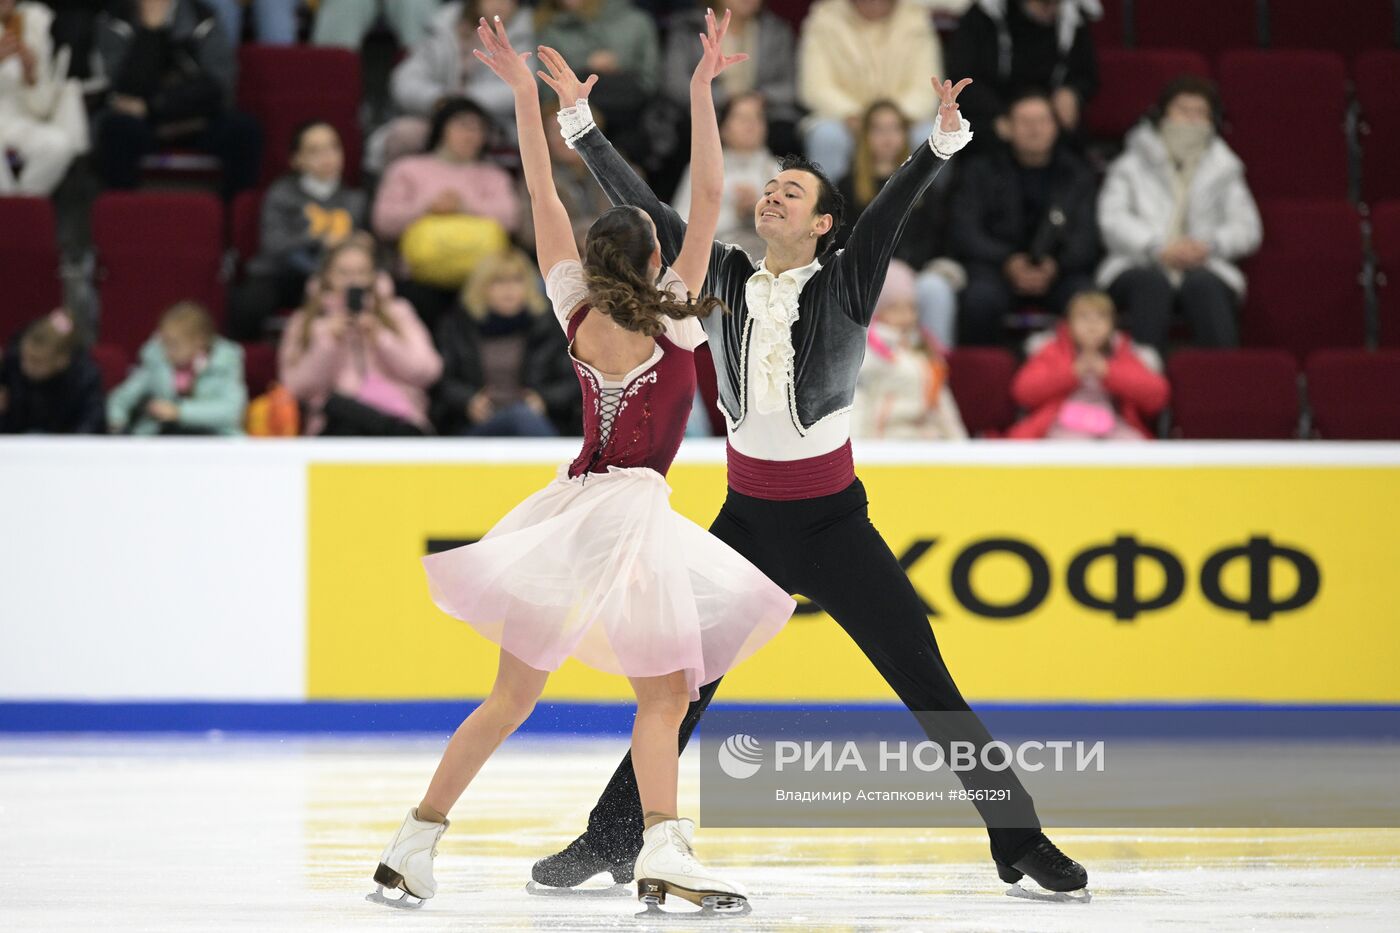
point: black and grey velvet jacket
(836, 304)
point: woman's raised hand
(712, 59)
(496, 53)
(562, 78)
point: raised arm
(706, 158)
(617, 178)
(554, 235)
(861, 266)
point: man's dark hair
(1025, 94)
(829, 200)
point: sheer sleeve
(686, 333)
(566, 289)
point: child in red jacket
(1089, 381)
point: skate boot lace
(1058, 861)
(687, 853)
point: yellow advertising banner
(1056, 583)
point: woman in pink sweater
(449, 177)
(446, 208)
(356, 356)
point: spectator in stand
(355, 355)
(31, 124)
(1023, 224)
(506, 367)
(1008, 46)
(48, 382)
(1087, 381)
(1176, 216)
(748, 166)
(855, 52)
(303, 214)
(903, 388)
(274, 21)
(770, 71)
(881, 147)
(617, 42)
(442, 65)
(171, 75)
(447, 207)
(344, 23)
(189, 380)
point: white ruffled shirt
(769, 430)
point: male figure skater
(787, 358)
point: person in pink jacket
(1088, 381)
(357, 357)
(446, 208)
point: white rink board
(175, 569)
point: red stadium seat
(1348, 28)
(980, 378)
(1110, 30)
(794, 11)
(1233, 394)
(1385, 241)
(259, 367)
(1304, 285)
(114, 363)
(1129, 83)
(28, 263)
(1377, 76)
(1267, 124)
(286, 86)
(245, 224)
(154, 249)
(1355, 394)
(1207, 26)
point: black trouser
(988, 299)
(1145, 296)
(827, 550)
(234, 138)
(257, 300)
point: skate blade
(1037, 893)
(404, 901)
(544, 890)
(652, 894)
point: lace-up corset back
(637, 421)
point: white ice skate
(667, 865)
(407, 864)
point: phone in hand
(355, 299)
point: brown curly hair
(619, 246)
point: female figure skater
(596, 565)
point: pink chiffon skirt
(600, 568)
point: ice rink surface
(104, 834)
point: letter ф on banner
(1259, 603)
(1125, 604)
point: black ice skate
(562, 873)
(1059, 877)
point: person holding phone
(28, 103)
(357, 356)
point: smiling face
(786, 213)
(319, 153)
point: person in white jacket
(1176, 216)
(855, 52)
(28, 98)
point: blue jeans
(518, 420)
(274, 21)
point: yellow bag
(443, 249)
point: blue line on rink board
(1186, 721)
